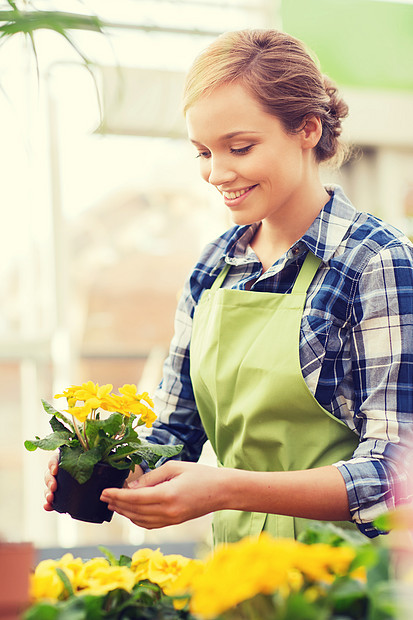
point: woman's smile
(233, 198)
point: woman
(293, 345)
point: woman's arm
(178, 491)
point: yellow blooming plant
(262, 566)
(100, 426)
(255, 579)
(105, 587)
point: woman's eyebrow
(231, 134)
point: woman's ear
(311, 132)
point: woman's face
(245, 152)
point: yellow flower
(80, 413)
(72, 566)
(148, 416)
(145, 396)
(321, 562)
(239, 571)
(164, 569)
(68, 392)
(45, 582)
(263, 565)
(140, 563)
(99, 578)
(87, 570)
(129, 390)
(92, 390)
(181, 585)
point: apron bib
(254, 404)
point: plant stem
(79, 436)
(84, 433)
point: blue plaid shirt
(356, 344)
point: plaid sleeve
(178, 420)
(382, 369)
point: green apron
(254, 404)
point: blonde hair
(279, 72)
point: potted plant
(98, 445)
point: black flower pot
(82, 501)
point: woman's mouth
(235, 197)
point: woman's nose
(220, 171)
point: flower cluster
(95, 396)
(99, 576)
(267, 565)
(257, 578)
(87, 436)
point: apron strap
(220, 278)
(306, 273)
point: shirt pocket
(314, 335)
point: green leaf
(52, 411)
(111, 425)
(41, 611)
(51, 442)
(125, 560)
(108, 555)
(386, 601)
(57, 426)
(349, 596)
(153, 451)
(68, 589)
(79, 463)
(30, 445)
(331, 534)
(59, 21)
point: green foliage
(145, 602)
(112, 440)
(79, 463)
(345, 598)
(331, 534)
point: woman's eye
(242, 151)
(204, 154)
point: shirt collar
(329, 228)
(323, 237)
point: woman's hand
(51, 484)
(50, 481)
(179, 491)
(171, 494)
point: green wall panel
(359, 43)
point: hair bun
(337, 107)
(336, 110)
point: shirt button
(295, 250)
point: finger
(53, 464)
(50, 482)
(155, 476)
(126, 497)
(49, 501)
(150, 521)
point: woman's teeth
(237, 194)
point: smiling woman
(293, 345)
(264, 173)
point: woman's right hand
(50, 481)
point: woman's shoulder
(372, 239)
(367, 238)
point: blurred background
(103, 212)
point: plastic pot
(82, 501)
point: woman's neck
(274, 238)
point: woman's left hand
(173, 493)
